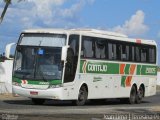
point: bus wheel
(38, 101)
(82, 97)
(133, 94)
(139, 95)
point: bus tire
(140, 94)
(82, 97)
(133, 94)
(38, 101)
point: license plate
(33, 93)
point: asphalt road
(22, 109)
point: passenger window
(100, 48)
(144, 55)
(125, 53)
(87, 48)
(118, 49)
(137, 53)
(152, 55)
(112, 51)
(133, 53)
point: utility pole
(8, 2)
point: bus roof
(94, 33)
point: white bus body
(99, 65)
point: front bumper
(52, 93)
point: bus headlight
(56, 86)
(16, 84)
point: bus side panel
(71, 89)
(148, 82)
(120, 91)
(151, 87)
(107, 86)
(100, 86)
(104, 86)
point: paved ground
(22, 109)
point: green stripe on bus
(139, 69)
(149, 70)
(41, 82)
(14, 79)
(89, 66)
(127, 68)
(146, 70)
(99, 67)
(123, 81)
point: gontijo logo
(92, 67)
(97, 68)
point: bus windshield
(49, 40)
(38, 62)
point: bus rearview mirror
(64, 53)
(8, 50)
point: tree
(8, 2)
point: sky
(135, 18)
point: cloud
(45, 13)
(39, 13)
(134, 26)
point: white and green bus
(83, 64)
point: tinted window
(152, 55)
(137, 53)
(112, 51)
(100, 49)
(87, 47)
(133, 53)
(125, 52)
(144, 52)
(72, 58)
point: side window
(144, 54)
(137, 54)
(100, 49)
(133, 53)
(112, 51)
(118, 49)
(152, 55)
(87, 47)
(72, 58)
(125, 53)
(74, 44)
